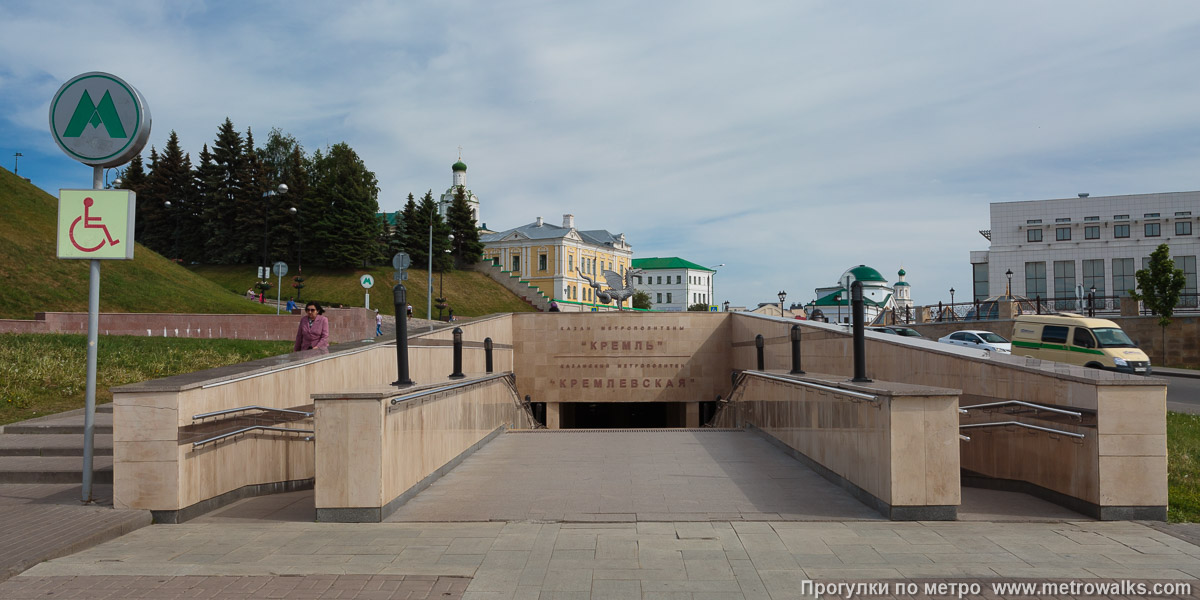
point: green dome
(458, 166)
(901, 273)
(864, 273)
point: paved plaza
(704, 515)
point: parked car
(895, 330)
(1078, 340)
(983, 340)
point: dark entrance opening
(621, 415)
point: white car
(983, 340)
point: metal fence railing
(984, 310)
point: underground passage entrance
(628, 415)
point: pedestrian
(378, 323)
(250, 294)
(410, 311)
(291, 305)
(314, 329)
(554, 307)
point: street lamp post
(782, 295)
(281, 189)
(726, 306)
(1092, 301)
(441, 284)
(1008, 289)
(16, 157)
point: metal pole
(487, 354)
(429, 283)
(279, 290)
(860, 345)
(759, 342)
(400, 299)
(89, 411)
(458, 343)
(795, 335)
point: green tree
(640, 299)
(346, 202)
(133, 177)
(282, 160)
(425, 214)
(1160, 286)
(466, 248)
(698, 307)
(406, 234)
(172, 182)
(228, 213)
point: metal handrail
(446, 388)
(245, 408)
(1077, 415)
(1026, 425)
(812, 385)
(252, 428)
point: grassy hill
(469, 293)
(33, 279)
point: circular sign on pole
(279, 268)
(367, 281)
(99, 120)
(401, 261)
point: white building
(460, 183)
(834, 301)
(1062, 248)
(673, 283)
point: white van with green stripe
(1078, 340)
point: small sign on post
(96, 224)
(367, 281)
(280, 269)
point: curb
(1183, 373)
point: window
(1083, 338)
(659, 301)
(1123, 278)
(1188, 265)
(1186, 213)
(1120, 231)
(1091, 218)
(570, 262)
(1091, 232)
(1064, 220)
(1064, 284)
(1035, 279)
(1033, 222)
(1033, 235)
(1055, 334)
(980, 272)
(638, 279)
(679, 279)
(1062, 234)
(1150, 215)
(1093, 277)
(1153, 229)
(1120, 217)
(668, 297)
(541, 262)
(1183, 228)
(660, 280)
(516, 260)
(495, 261)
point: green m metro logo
(86, 112)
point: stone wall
(345, 324)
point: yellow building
(556, 259)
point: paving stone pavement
(694, 560)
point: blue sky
(788, 140)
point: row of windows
(586, 265)
(1183, 213)
(650, 279)
(1092, 232)
(1123, 276)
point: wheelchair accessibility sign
(95, 224)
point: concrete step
(53, 469)
(64, 423)
(62, 444)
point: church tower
(459, 183)
(902, 292)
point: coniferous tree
(408, 231)
(133, 177)
(258, 209)
(197, 228)
(348, 228)
(427, 213)
(282, 161)
(297, 175)
(175, 183)
(150, 218)
(227, 199)
(467, 248)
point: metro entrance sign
(99, 120)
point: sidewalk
(1170, 372)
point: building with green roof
(673, 283)
(879, 296)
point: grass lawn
(1183, 467)
(43, 374)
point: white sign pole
(278, 290)
(89, 411)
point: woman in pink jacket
(314, 329)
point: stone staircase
(50, 449)
(513, 283)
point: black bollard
(860, 343)
(758, 343)
(487, 354)
(796, 370)
(399, 295)
(457, 374)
